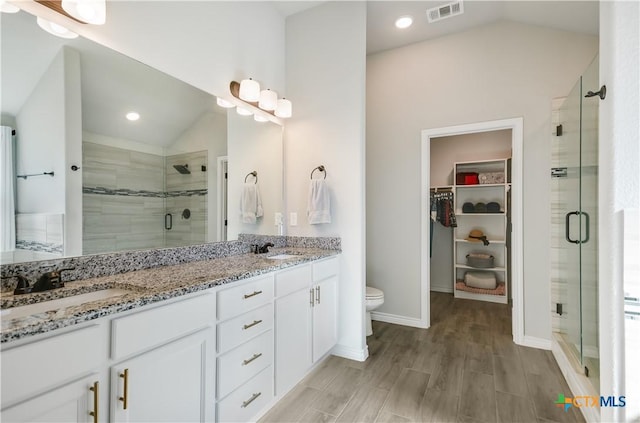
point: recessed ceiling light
(132, 116)
(404, 22)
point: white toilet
(374, 299)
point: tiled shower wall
(187, 192)
(126, 195)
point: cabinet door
(169, 384)
(69, 403)
(293, 338)
(325, 331)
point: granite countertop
(146, 287)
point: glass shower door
(575, 201)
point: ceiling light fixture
(89, 11)
(55, 29)
(133, 116)
(404, 22)
(8, 7)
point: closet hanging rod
(321, 169)
(254, 174)
(35, 174)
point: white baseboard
(533, 342)
(445, 289)
(398, 320)
(351, 353)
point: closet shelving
(493, 226)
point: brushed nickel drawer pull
(252, 295)
(311, 297)
(255, 357)
(250, 400)
(125, 397)
(96, 399)
(250, 325)
(317, 295)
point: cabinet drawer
(242, 328)
(29, 369)
(325, 268)
(150, 328)
(249, 295)
(242, 363)
(292, 280)
(247, 401)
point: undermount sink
(59, 303)
(282, 256)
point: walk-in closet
(470, 190)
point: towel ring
(321, 169)
(254, 174)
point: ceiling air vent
(439, 13)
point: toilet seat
(374, 293)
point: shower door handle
(586, 215)
(567, 227)
(168, 221)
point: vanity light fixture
(224, 103)
(268, 100)
(89, 11)
(249, 90)
(133, 116)
(404, 22)
(284, 108)
(55, 29)
(243, 112)
(8, 7)
(259, 118)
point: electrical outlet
(278, 218)
(293, 219)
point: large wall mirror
(87, 180)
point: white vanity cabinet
(50, 379)
(169, 376)
(245, 349)
(306, 319)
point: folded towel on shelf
(318, 207)
(250, 203)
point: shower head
(183, 169)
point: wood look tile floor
(464, 368)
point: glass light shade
(243, 112)
(224, 103)
(55, 29)
(8, 7)
(249, 90)
(268, 100)
(259, 118)
(284, 108)
(89, 11)
(404, 22)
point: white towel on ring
(318, 208)
(250, 203)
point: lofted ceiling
(572, 15)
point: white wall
(204, 43)
(498, 71)
(619, 184)
(41, 148)
(326, 81)
(253, 146)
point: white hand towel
(250, 203)
(318, 208)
